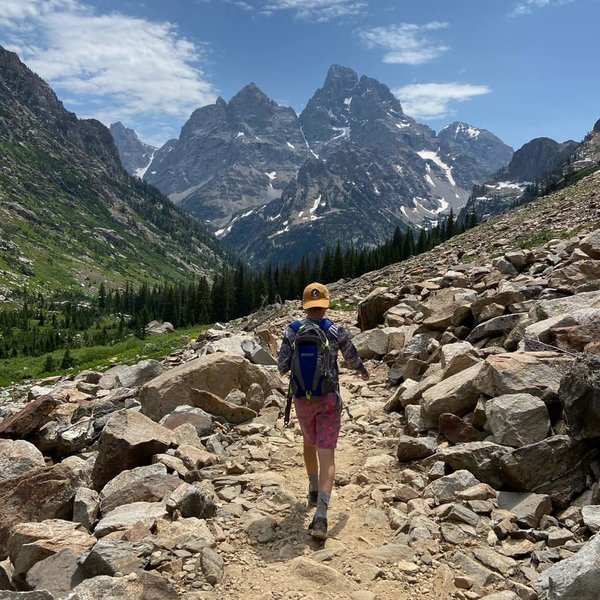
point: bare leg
(326, 469)
(310, 458)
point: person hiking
(318, 409)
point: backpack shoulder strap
(326, 324)
(296, 325)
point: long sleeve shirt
(338, 340)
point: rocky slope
(469, 470)
(535, 163)
(276, 187)
(135, 155)
(70, 216)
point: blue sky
(520, 68)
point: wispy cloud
(433, 100)
(315, 10)
(406, 43)
(132, 69)
(528, 6)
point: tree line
(41, 326)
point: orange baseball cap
(315, 295)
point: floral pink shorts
(320, 420)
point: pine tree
(67, 360)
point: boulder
(145, 585)
(17, 457)
(445, 488)
(529, 508)
(29, 419)
(86, 507)
(142, 484)
(216, 373)
(456, 394)
(517, 419)
(371, 344)
(138, 374)
(580, 276)
(112, 556)
(457, 357)
(536, 373)
(495, 327)
(216, 406)
(545, 309)
(579, 394)
(554, 466)
(590, 244)
(457, 431)
(129, 440)
(372, 309)
(192, 501)
(591, 517)
(574, 578)
(193, 415)
(30, 543)
(411, 448)
(36, 495)
(126, 516)
(256, 354)
(482, 459)
(58, 574)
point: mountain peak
(460, 129)
(339, 76)
(251, 93)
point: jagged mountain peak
(251, 93)
(136, 155)
(460, 130)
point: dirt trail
(272, 569)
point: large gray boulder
(517, 419)
(529, 508)
(445, 488)
(372, 309)
(482, 459)
(18, 456)
(579, 393)
(575, 578)
(217, 373)
(456, 395)
(148, 585)
(536, 373)
(143, 484)
(138, 374)
(590, 244)
(554, 466)
(129, 440)
(36, 495)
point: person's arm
(285, 352)
(350, 354)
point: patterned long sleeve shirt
(338, 340)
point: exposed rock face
(135, 155)
(231, 157)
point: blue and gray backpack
(311, 369)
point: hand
(364, 376)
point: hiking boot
(318, 528)
(312, 497)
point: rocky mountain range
(273, 185)
(540, 163)
(136, 156)
(230, 157)
(70, 215)
(468, 471)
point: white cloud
(528, 6)
(315, 10)
(130, 68)
(407, 43)
(432, 100)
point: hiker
(314, 387)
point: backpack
(311, 369)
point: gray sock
(322, 505)
(313, 482)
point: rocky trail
(470, 469)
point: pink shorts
(320, 420)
